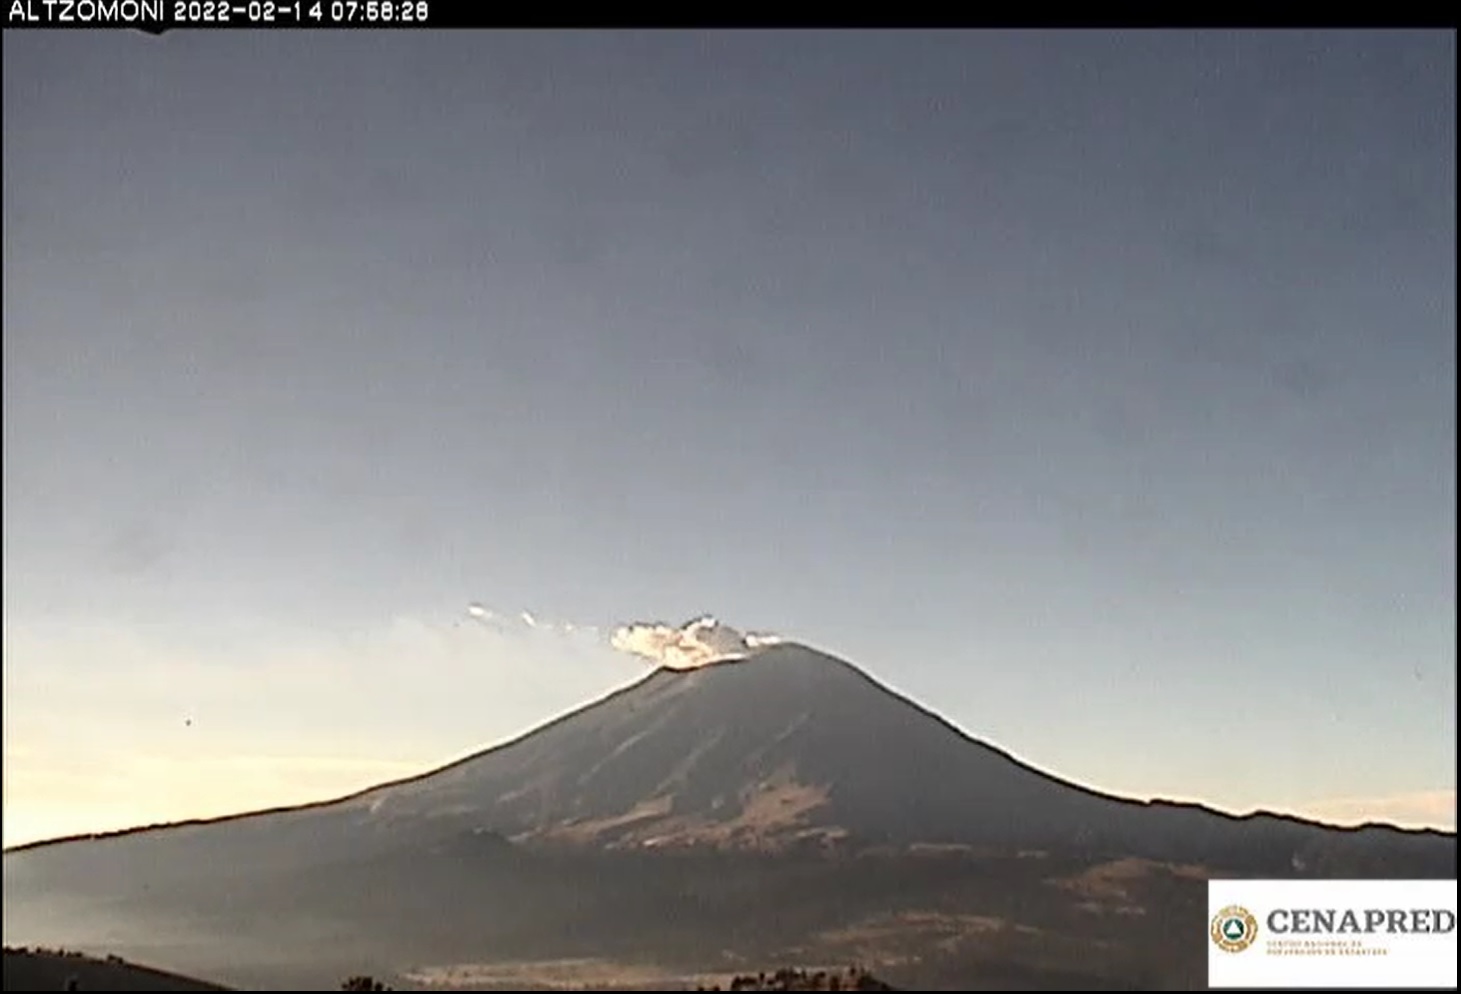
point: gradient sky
(1096, 390)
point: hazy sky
(1096, 390)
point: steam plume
(696, 643)
(504, 622)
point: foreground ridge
(40, 969)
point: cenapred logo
(1331, 934)
(1233, 929)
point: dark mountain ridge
(54, 970)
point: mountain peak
(795, 663)
(784, 746)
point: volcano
(794, 749)
(660, 819)
(789, 749)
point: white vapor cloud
(501, 621)
(698, 642)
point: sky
(1096, 390)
